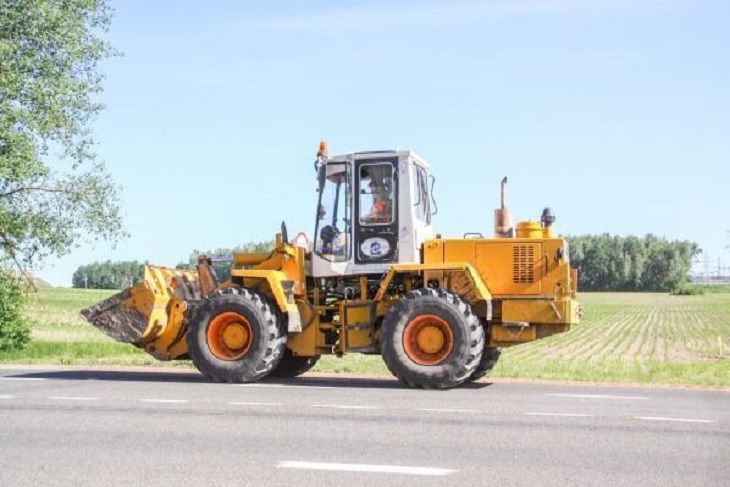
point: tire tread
(271, 327)
(444, 377)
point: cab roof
(380, 154)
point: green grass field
(60, 336)
(625, 337)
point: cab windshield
(333, 214)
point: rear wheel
(490, 356)
(236, 335)
(432, 339)
(293, 365)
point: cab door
(376, 210)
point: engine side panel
(529, 278)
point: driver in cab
(382, 204)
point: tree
(614, 263)
(53, 191)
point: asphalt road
(140, 428)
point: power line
(707, 271)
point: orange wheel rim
(428, 339)
(229, 336)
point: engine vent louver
(523, 258)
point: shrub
(686, 290)
(714, 288)
(14, 330)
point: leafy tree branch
(54, 193)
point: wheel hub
(235, 336)
(428, 339)
(229, 336)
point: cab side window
(420, 191)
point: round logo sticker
(375, 247)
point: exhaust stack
(502, 216)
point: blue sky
(615, 113)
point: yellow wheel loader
(374, 279)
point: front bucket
(116, 318)
(143, 313)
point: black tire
(267, 341)
(467, 339)
(490, 356)
(292, 365)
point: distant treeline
(613, 263)
(108, 275)
(118, 275)
(605, 263)
(222, 267)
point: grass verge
(625, 337)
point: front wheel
(432, 339)
(236, 335)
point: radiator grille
(523, 268)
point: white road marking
(664, 418)
(598, 396)
(73, 398)
(22, 378)
(165, 401)
(237, 403)
(342, 406)
(438, 410)
(5, 396)
(568, 415)
(361, 467)
(278, 386)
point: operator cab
(374, 211)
